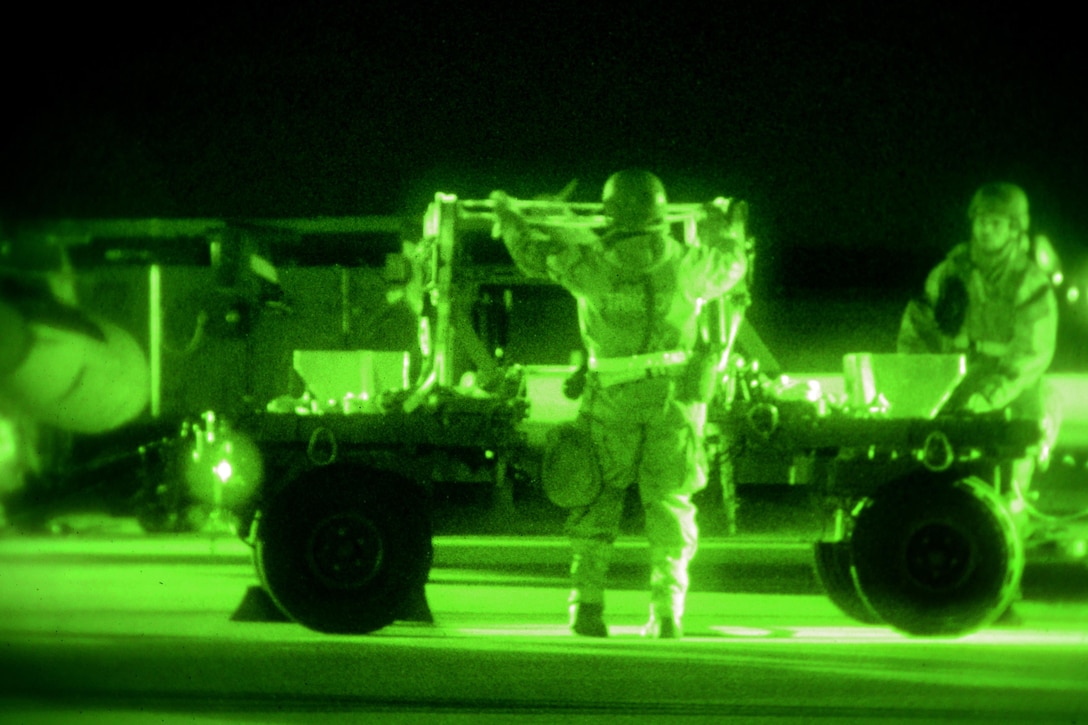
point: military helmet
(1003, 199)
(634, 201)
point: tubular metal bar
(84, 231)
(577, 215)
(446, 212)
(154, 342)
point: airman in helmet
(1000, 221)
(639, 292)
(991, 301)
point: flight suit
(638, 327)
(1006, 325)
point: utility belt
(694, 373)
(610, 371)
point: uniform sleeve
(528, 250)
(546, 253)
(918, 330)
(568, 251)
(1031, 350)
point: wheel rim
(936, 558)
(832, 565)
(939, 556)
(345, 551)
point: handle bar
(578, 215)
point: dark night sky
(847, 126)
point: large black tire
(833, 571)
(341, 549)
(935, 557)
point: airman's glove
(508, 220)
(575, 385)
(725, 225)
(978, 403)
(529, 246)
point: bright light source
(227, 457)
(1072, 295)
(223, 470)
(1076, 549)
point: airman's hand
(725, 225)
(507, 218)
(978, 403)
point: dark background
(858, 132)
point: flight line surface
(114, 626)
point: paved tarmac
(110, 625)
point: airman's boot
(589, 569)
(586, 619)
(663, 624)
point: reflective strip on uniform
(993, 349)
(638, 363)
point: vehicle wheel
(340, 549)
(832, 564)
(937, 557)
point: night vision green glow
(223, 469)
(7, 441)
